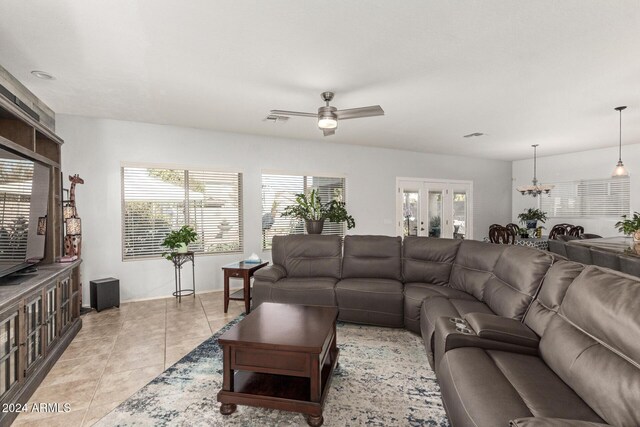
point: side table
(178, 259)
(241, 270)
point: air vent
(274, 118)
(471, 135)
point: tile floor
(119, 350)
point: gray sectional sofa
(515, 336)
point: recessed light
(43, 75)
(471, 135)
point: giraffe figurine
(73, 243)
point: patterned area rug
(383, 379)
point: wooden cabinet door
(10, 364)
(33, 332)
(51, 309)
(64, 286)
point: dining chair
(630, 265)
(558, 247)
(559, 230)
(605, 259)
(501, 235)
(579, 253)
(576, 230)
(513, 227)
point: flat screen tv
(24, 195)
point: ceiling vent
(472, 135)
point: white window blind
(156, 201)
(607, 197)
(15, 196)
(279, 191)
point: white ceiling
(523, 72)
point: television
(24, 196)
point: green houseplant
(531, 217)
(178, 240)
(309, 208)
(630, 226)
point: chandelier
(535, 189)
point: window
(15, 195)
(157, 200)
(278, 192)
(607, 197)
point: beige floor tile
(89, 347)
(135, 358)
(60, 419)
(77, 394)
(97, 411)
(215, 325)
(84, 368)
(118, 386)
(98, 330)
(140, 343)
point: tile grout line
(105, 367)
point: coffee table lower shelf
(282, 392)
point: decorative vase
(182, 248)
(532, 223)
(314, 226)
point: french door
(434, 208)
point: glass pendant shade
(74, 226)
(620, 171)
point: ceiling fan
(328, 116)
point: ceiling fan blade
(328, 132)
(293, 113)
(356, 113)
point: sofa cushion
(593, 343)
(427, 259)
(505, 277)
(414, 295)
(308, 255)
(370, 301)
(304, 290)
(552, 292)
(376, 257)
(435, 307)
(490, 388)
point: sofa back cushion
(505, 277)
(308, 255)
(552, 292)
(593, 344)
(372, 257)
(428, 260)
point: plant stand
(179, 259)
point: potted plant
(178, 240)
(630, 226)
(531, 217)
(314, 213)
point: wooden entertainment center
(39, 311)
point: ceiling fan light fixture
(327, 120)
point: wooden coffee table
(281, 356)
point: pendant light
(535, 189)
(620, 171)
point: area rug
(383, 379)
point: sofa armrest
(552, 422)
(503, 329)
(270, 273)
(449, 335)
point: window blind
(278, 192)
(15, 196)
(156, 201)
(609, 197)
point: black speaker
(104, 293)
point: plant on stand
(314, 213)
(630, 226)
(531, 217)
(178, 240)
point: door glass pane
(410, 212)
(435, 213)
(459, 214)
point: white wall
(95, 148)
(593, 164)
